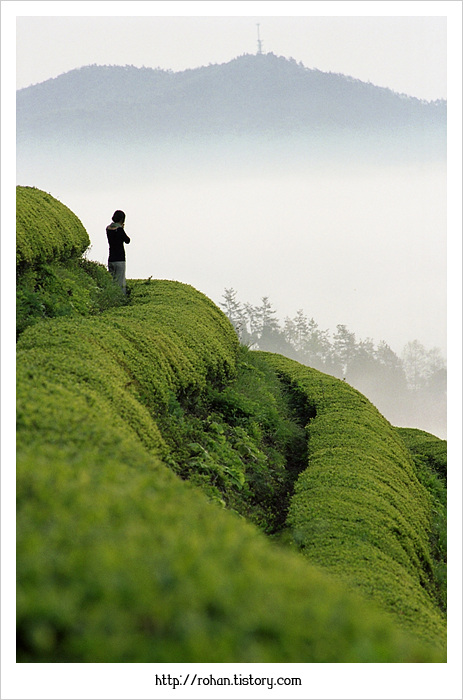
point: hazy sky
(407, 54)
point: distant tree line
(410, 389)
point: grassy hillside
(156, 462)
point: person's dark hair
(118, 217)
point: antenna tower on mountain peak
(259, 42)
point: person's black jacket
(116, 239)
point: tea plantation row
(359, 509)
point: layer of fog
(349, 241)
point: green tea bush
(46, 230)
(430, 456)
(73, 287)
(359, 509)
(429, 448)
(118, 558)
(119, 561)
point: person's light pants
(117, 270)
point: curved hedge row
(46, 229)
(358, 509)
(118, 560)
(427, 447)
(430, 457)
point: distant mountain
(252, 94)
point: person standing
(116, 239)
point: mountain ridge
(249, 94)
